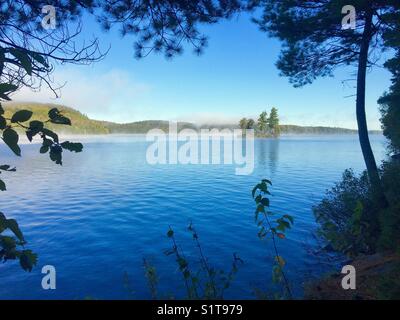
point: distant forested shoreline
(82, 124)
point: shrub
(390, 217)
(351, 219)
(347, 215)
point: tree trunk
(360, 111)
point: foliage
(205, 282)
(164, 26)
(250, 124)
(389, 218)
(272, 229)
(390, 106)
(388, 287)
(28, 51)
(9, 244)
(243, 123)
(346, 217)
(266, 126)
(313, 42)
(262, 122)
(351, 218)
(293, 129)
(273, 122)
(22, 119)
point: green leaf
(258, 199)
(34, 128)
(39, 58)
(44, 149)
(6, 167)
(57, 118)
(72, 146)
(265, 202)
(21, 116)
(30, 134)
(13, 226)
(290, 218)
(8, 243)
(27, 260)
(61, 120)
(53, 113)
(56, 154)
(6, 88)
(2, 186)
(267, 181)
(10, 137)
(47, 142)
(3, 221)
(283, 222)
(3, 123)
(50, 134)
(23, 57)
(36, 125)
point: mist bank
(83, 125)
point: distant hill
(144, 126)
(293, 129)
(82, 124)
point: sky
(235, 77)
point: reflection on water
(99, 214)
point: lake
(96, 217)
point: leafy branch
(276, 228)
(12, 246)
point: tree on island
(250, 124)
(246, 124)
(273, 122)
(314, 44)
(243, 123)
(262, 123)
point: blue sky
(235, 77)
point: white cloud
(112, 95)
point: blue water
(96, 217)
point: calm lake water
(96, 217)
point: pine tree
(273, 122)
(315, 43)
(250, 124)
(262, 123)
(243, 123)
